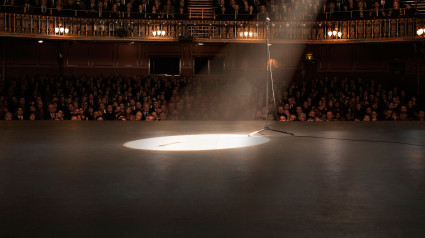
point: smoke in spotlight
(240, 93)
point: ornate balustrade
(77, 28)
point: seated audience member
(154, 13)
(10, 6)
(421, 115)
(8, 116)
(120, 5)
(149, 118)
(107, 5)
(32, 117)
(91, 6)
(58, 9)
(19, 114)
(28, 6)
(251, 14)
(385, 4)
(376, 11)
(339, 6)
(263, 14)
(236, 12)
(351, 5)
(345, 14)
(360, 12)
(142, 9)
(167, 10)
(181, 13)
(115, 13)
(99, 10)
(395, 11)
(409, 10)
(331, 12)
(322, 10)
(71, 8)
(43, 10)
(129, 11)
(223, 14)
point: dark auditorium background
(323, 53)
(212, 118)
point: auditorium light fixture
(61, 30)
(247, 34)
(40, 41)
(421, 32)
(158, 33)
(334, 34)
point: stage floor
(76, 179)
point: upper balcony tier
(339, 27)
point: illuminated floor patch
(196, 142)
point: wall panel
(48, 54)
(103, 55)
(78, 54)
(367, 57)
(26, 54)
(127, 55)
(341, 57)
(164, 49)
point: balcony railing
(89, 28)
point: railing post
(385, 28)
(357, 30)
(398, 26)
(8, 16)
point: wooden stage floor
(76, 179)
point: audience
(345, 100)
(155, 98)
(224, 9)
(310, 9)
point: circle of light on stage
(196, 142)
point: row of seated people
(225, 9)
(344, 100)
(187, 98)
(100, 8)
(311, 9)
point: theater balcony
(210, 28)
